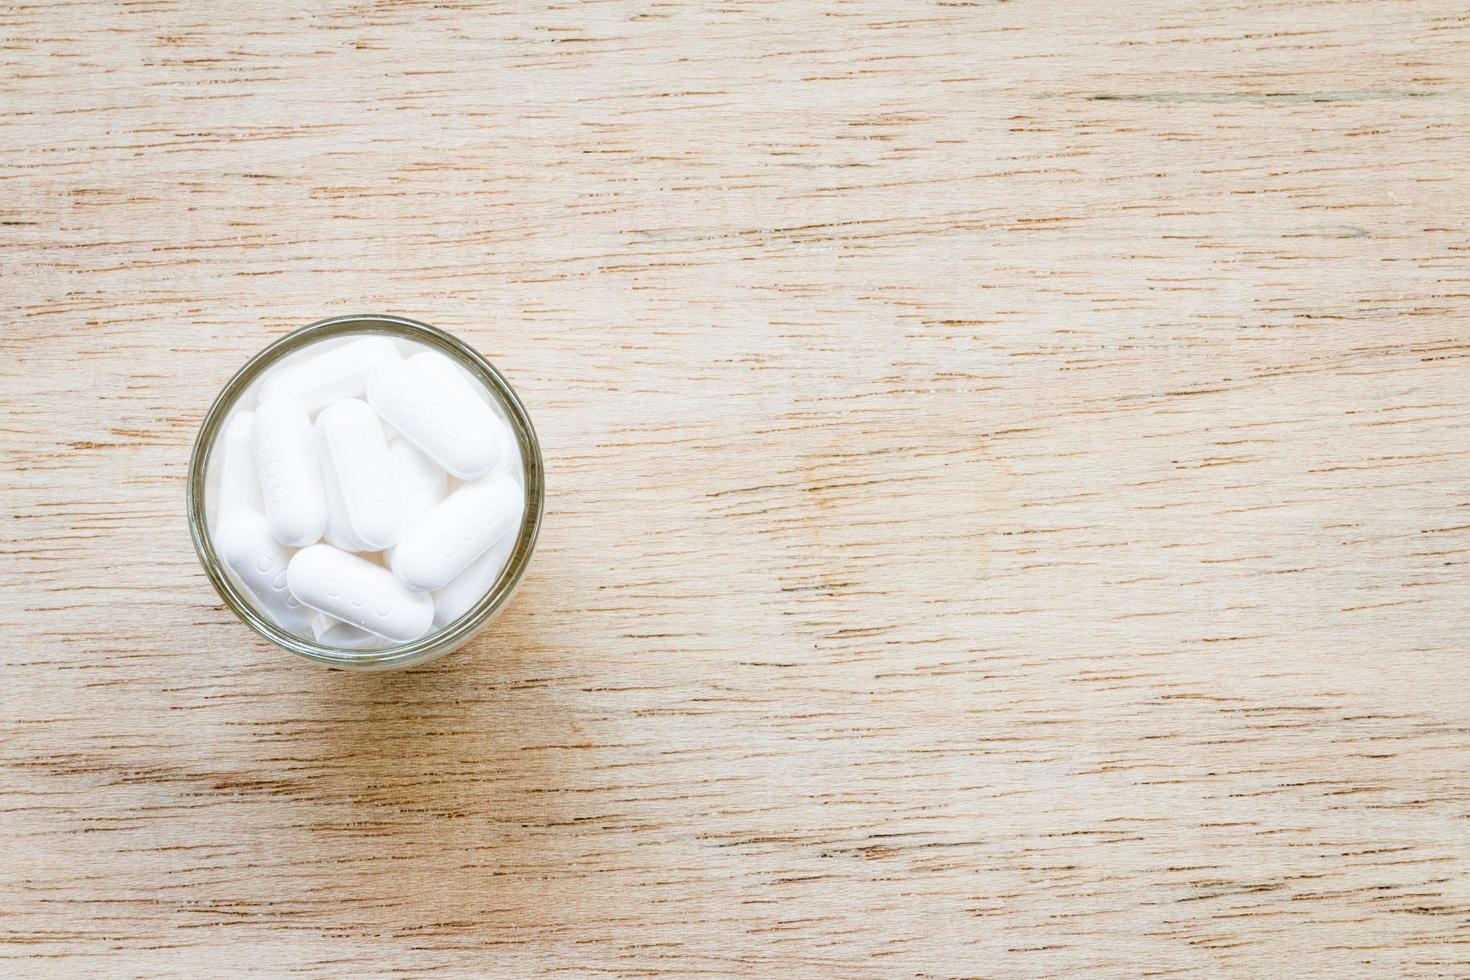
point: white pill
(510, 453)
(457, 434)
(341, 372)
(331, 632)
(339, 533)
(421, 484)
(245, 544)
(290, 476)
(357, 456)
(458, 380)
(358, 592)
(456, 598)
(436, 548)
(450, 374)
(238, 488)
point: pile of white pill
(365, 491)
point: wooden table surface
(1008, 488)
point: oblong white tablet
(421, 483)
(457, 434)
(459, 381)
(316, 382)
(436, 548)
(238, 487)
(358, 592)
(450, 374)
(290, 477)
(244, 542)
(510, 454)
(466, 589)
(339, 533)
(356, 453)
(335, 633)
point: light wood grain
(1009, 488)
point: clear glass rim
(453, 634)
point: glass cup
(437, 642)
